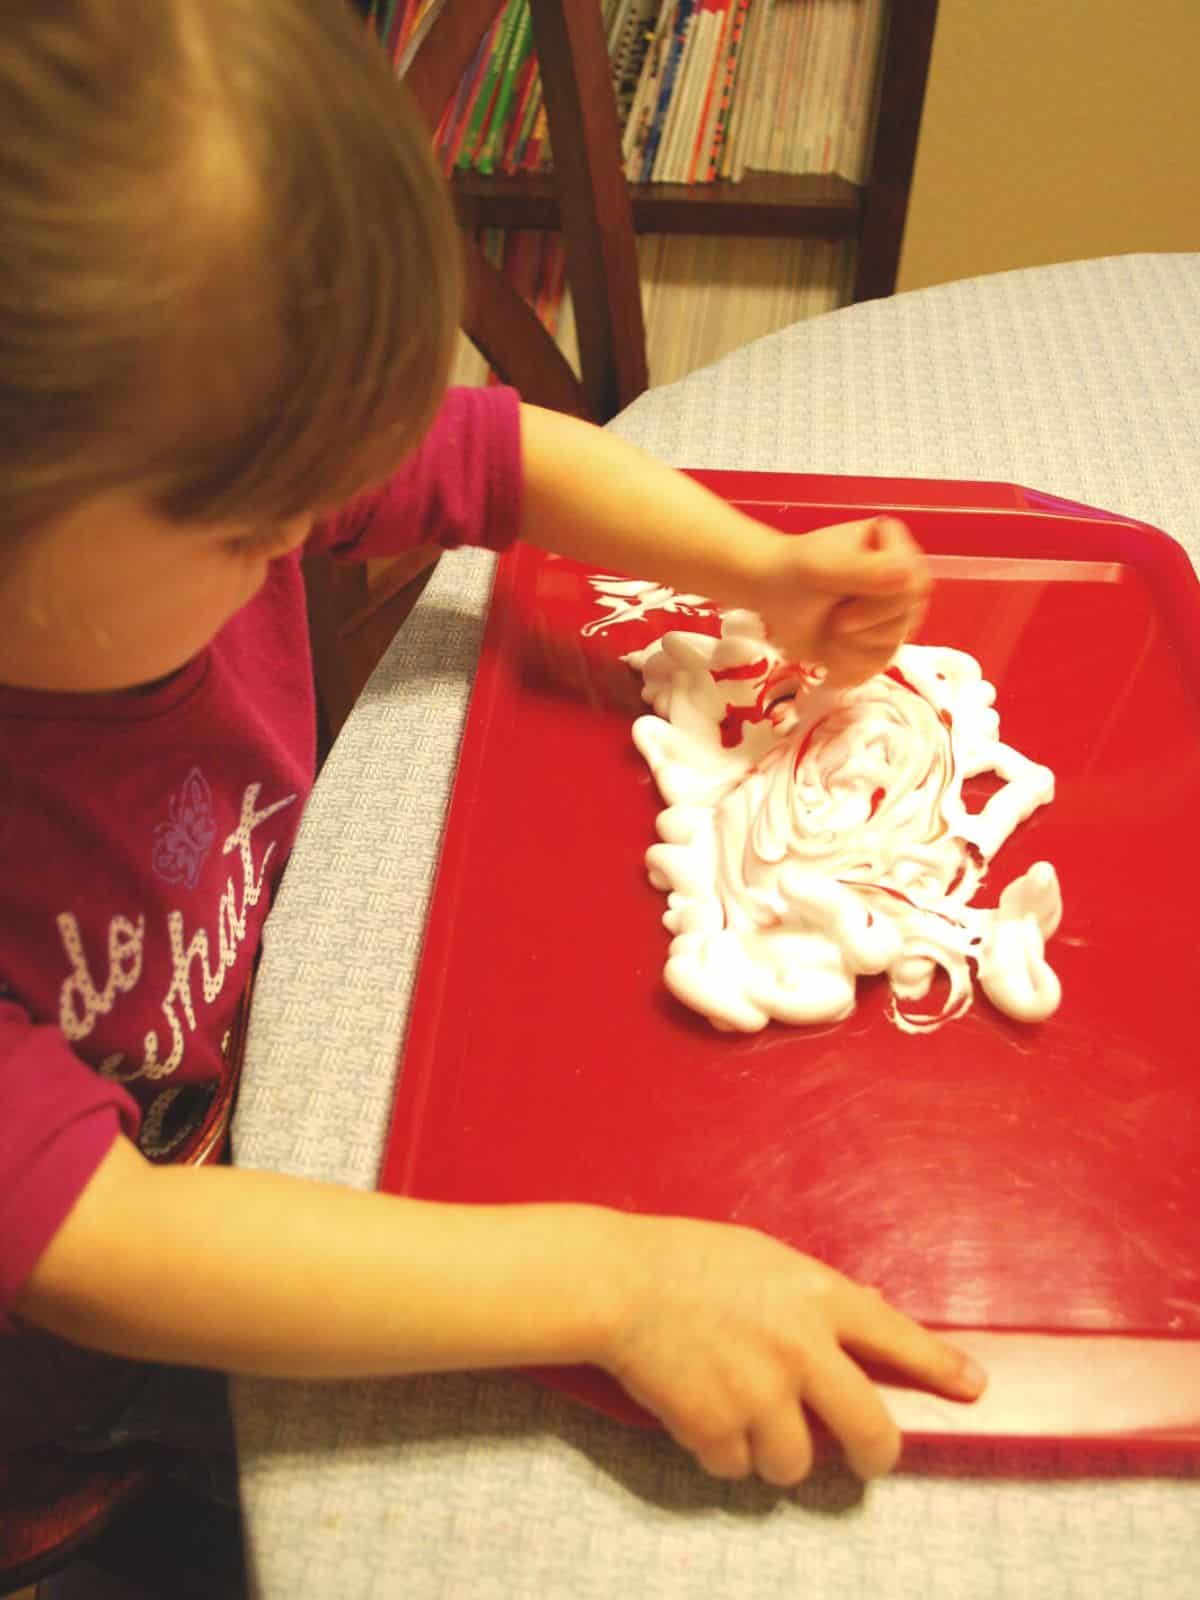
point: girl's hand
(732, 1335)
(847, 596)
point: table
(1082, 380)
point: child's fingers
(851, 661)
(888, 535)
(859, 616)
(781, 1445)
(850, 1405)
(855, 616)
(850, 654)
(874, 556)
(848, 1401)
(885, 636)
(890, 539)
(871, 1327)
(725, 1456)
(858, 647)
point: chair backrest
(53, 1505)
(354, 614)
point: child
(228, 292)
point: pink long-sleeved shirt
(142, 837)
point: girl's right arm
(719, 1330)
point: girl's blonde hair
(229, 274)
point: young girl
(228, 293)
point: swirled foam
(813, 835)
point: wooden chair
(55, 1506)
(59, 1504)
(116, 1527)
(354, 612)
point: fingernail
(884, 528)
(972, 1379)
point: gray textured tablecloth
(1082, 380)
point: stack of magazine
(706, 91)
(720, 87)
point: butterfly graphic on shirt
(182, 842)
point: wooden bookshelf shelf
(763, 205)
(598, 213)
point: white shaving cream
(812, 835)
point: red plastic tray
(1033, 1188)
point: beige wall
(1055, 130)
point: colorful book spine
(480, 109)
(423, 15)
(537, 148)
(733, 62)
(637, 130)
(407, 14)
(679, 100)
(551, 281)
(704, 88)
(627, 50)
(740, 100)
(386, 16)
(680, 128)
(465, 100)
(518, 53)
(529, 98)
(706, 121)
(683, 17)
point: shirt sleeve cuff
(61, 1119)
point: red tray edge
(1047, 1388)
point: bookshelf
(771, 204)
(763, 204)
(569, 41)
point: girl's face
(113, 596)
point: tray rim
(1168, 571)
